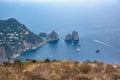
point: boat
(78, 50)
(97, 51)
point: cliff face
(15, 38)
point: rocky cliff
(15, 38)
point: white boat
(78, 50)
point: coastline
(33, 48)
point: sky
(63, 1)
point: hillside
(59, 70)
(15, 38)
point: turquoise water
(98, 25)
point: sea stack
(68, 37)
(74, 37)
(53, 37)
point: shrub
(18, 62)
(6, 63)
(27, 60)
(33, 61)
(95, 61)
(88, 61)
(54, 60)
(47, 60)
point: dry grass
(59, 70)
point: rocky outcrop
(52, 37)
(15, 38)
(68, 37)
(74, 37)
(42, 34)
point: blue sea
(98, 25)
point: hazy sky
(64, 1)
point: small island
(43, 34)
(72, 38)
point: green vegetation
(31, 60)
(6, 63)
(47, 60)
(14, 37)
(58, 70)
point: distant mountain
(15, 38)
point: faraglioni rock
(68, 37)
(74, 37)
(53, 37)
(15, 38)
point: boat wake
(113, 48)
(16, 55)
(101, 42)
